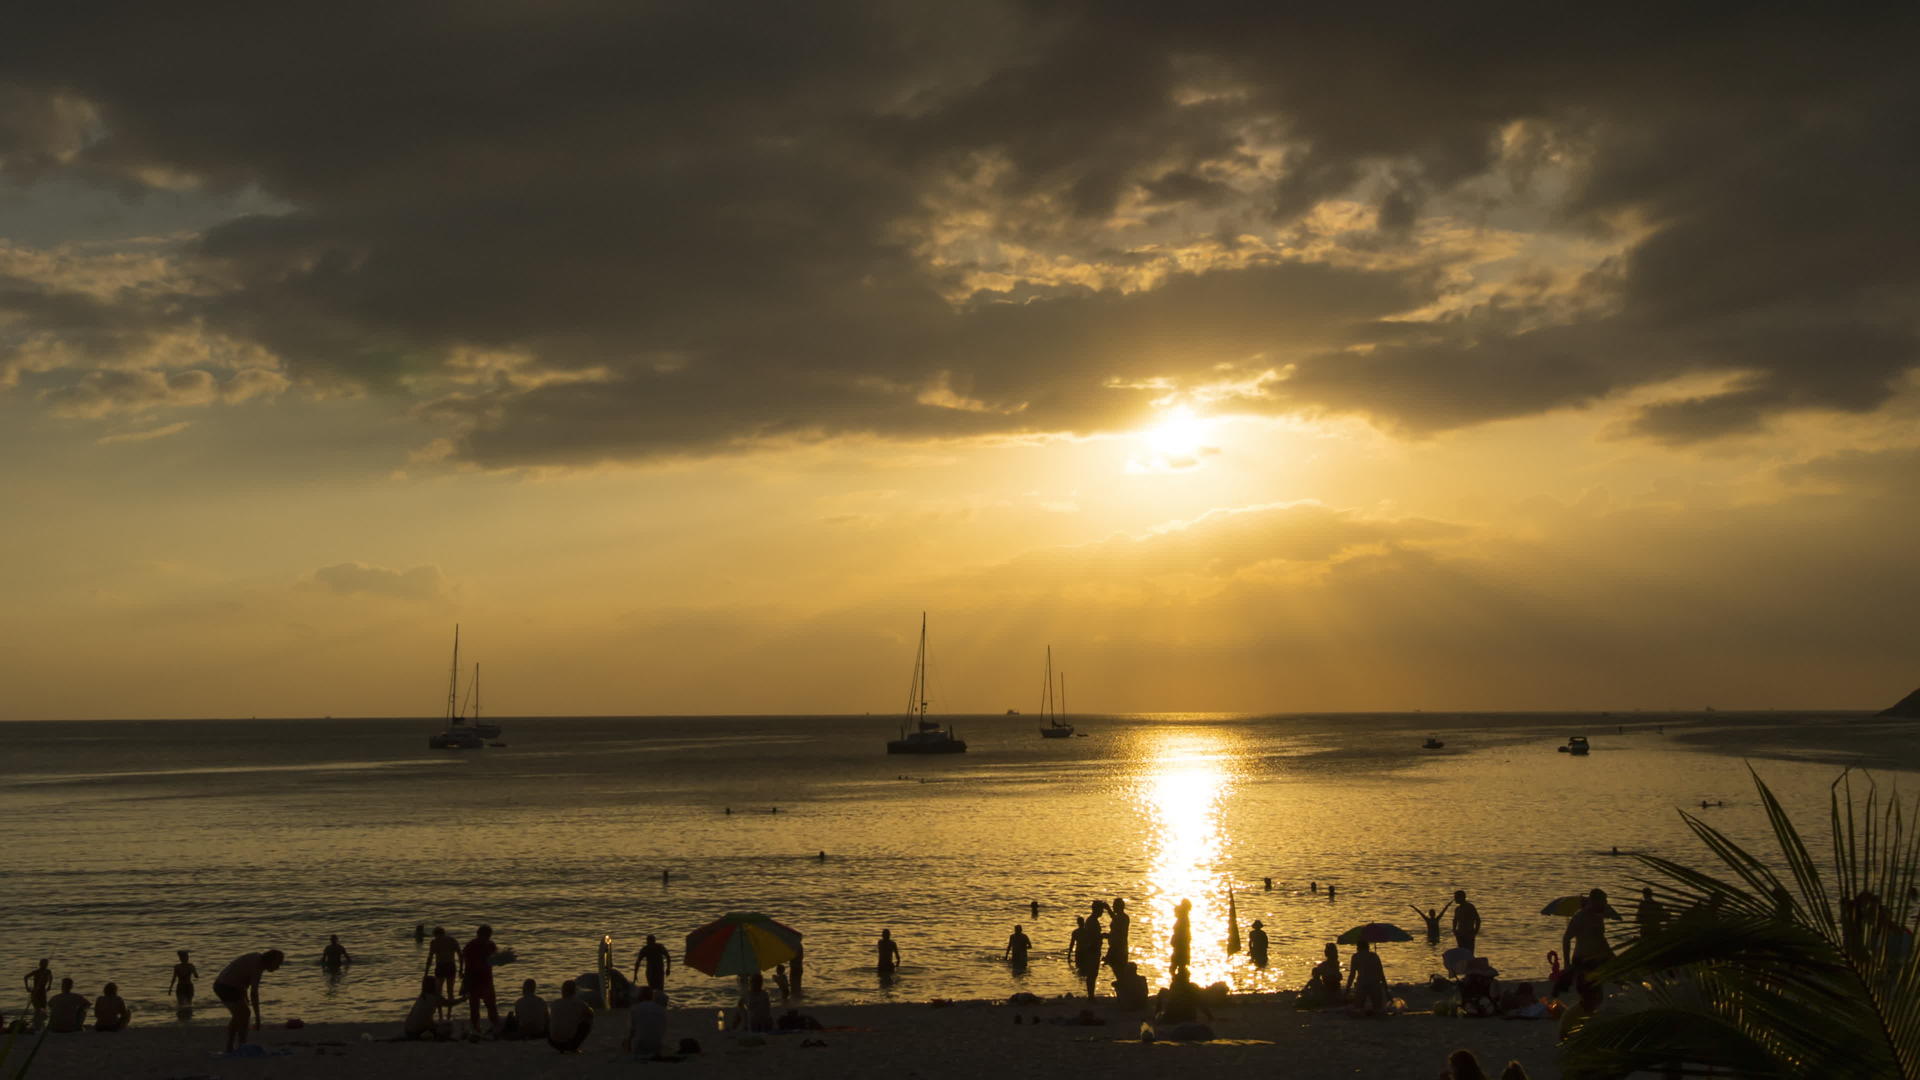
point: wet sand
(1259, 1035)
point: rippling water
(126, 841)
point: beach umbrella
(1568, 906)
(741, 943)
(1373, 932)
(1233, 924)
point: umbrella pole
(606, 966)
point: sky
(1258, 358)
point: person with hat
(1257, 944)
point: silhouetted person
(476, 962)
(1257, 944)
(1367, 981)
(1268, 883)
(1432, 919)
(1033, 907)
(1313, 887)
(110, 1012)
(1118, 929)
(1130, 987)
(66, 1010)
(334, 956)
(658, 960)
(1325, 982)
(1182, 938)
(422, 1017)
(780, 982)
(756, 1010)
(443, 960)
(419, 933)
(1466, 921)
(569, 1021)
(530, 1012)
(181, 984)
(1016, 952)
(238, 985)
(823, 856)
(1086, 953)
(1585, 945)
(646, 1026)
(1330, 888)
(37, 981)
(886, 954)
(665, 876)
(1650, 915)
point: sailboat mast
(453, 676)
(921, 667)
(476, 693)
(1046, 688)
(1063, 696)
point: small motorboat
(1432, 743)
(1575, 745)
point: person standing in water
(334, 956)
(1086, 957)
(659, 963)
(181, 985)
(1466, 921)
(1330, 888)
(39, 981)
(1118, 927)
(887, 954)
(476, 961)
(1033, 907)
(1182, 956)
(238, 985)
(1257, 944)
(797, 967)
(443, 961)
(1432, 919)
(1016, 952)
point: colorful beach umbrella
(741, 943)
(1373, 932)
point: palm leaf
(1768, 968)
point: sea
(124, 841)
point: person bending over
(238, 985)
(423, 1018)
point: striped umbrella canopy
(1373, 932)
(741, 943)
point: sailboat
(480, 727)
(1056, 726)
(920, 735)
(459, 735)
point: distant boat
(1575, 745)
(1057, 726)
(458, 735)
(1432, 743)
(1013, 712)
(920, 735)
(475, 724)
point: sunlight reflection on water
(1183, 794)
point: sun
(1180, 436)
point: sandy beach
(1259, 1035)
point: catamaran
(920, 735)
(1056, 726)
(459, 735)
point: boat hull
(452, 740)
(926, 746)
(1062, 732)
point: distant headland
(1908, 706)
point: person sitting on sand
(1477, 988)
(238, 985)
(421, 1018)
(334, 956)
(569, 1021)
(1432, 919)
(1257, 944)
(1179, 1009)
(530, 1012)
(66, 1010)
(755, 1011)
(38, 981)
(181, 985)
(1130, 987)
(110, 1012)
(1367, 982)
(1462, 1065)
(1323, 988)
(646, 1026)
(1016, 951)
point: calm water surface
(126, 841)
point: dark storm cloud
(713, 226)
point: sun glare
(1180, 435)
